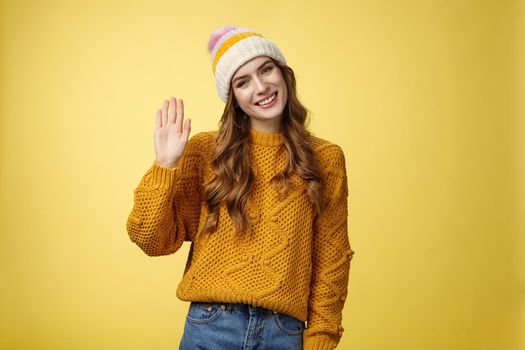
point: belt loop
(228, 307)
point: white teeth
(268, 100)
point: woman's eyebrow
(243, 76)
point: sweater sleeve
(167, 203)
(331, 259)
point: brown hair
(232, 159)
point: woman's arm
(331, 258)
(167, 203)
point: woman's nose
(261, 85)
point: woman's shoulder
(327, 151)
(202, 142)
(204, 136)
(330, 156)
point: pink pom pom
(217, 34)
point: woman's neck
(266, 138)
(272, 125)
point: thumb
(187, 128)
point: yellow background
(423, 96)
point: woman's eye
(266, 69)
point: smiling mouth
(271, 98)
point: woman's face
(260, 90)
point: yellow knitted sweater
(291, 261)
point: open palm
(170, 137)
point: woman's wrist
(167, 164)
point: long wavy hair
(232, 160)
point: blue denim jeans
(229, 326)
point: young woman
(263, 203)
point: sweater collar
(266, 138)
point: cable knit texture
(291, 261)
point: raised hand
(170, 137)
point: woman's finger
(158, 120)
(180, 115)
(172, 110)
(165, 113)
(187, 128)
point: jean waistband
(247, 308)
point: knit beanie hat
(231, 47)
